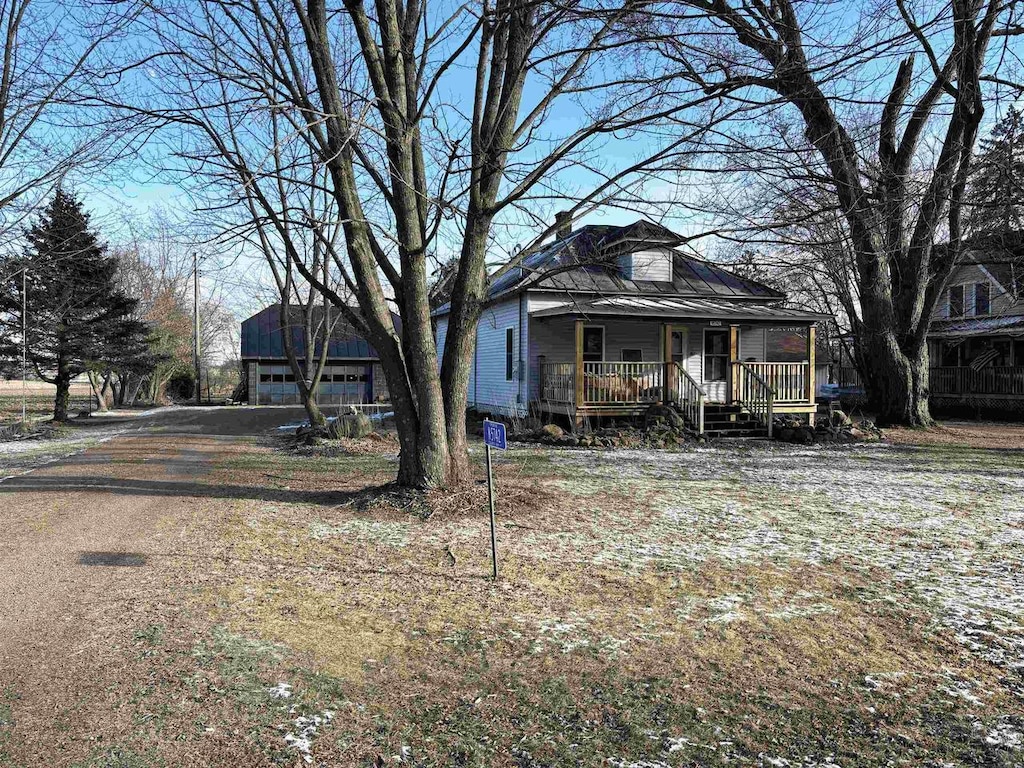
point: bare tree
(56, 57)
(889, 100)
(432, 127)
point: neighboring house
(607, 320)
(976, 342)
(352, 374)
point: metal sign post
(494, 437)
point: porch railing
(788, 380)
(558, 382)
(755, 394)
(964, 380)
(612, 383)
(689, 396)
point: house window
(510, 339)
(632, 355)
(716, 355)
(956, 301)
(593, 343)
(982, 298)
(678, 347)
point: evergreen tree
(77, 316)
(997, 186)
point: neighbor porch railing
(787, 380)
(754, 393)
(619, 383)
(688, 395)
(964, 380)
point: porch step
(730, 421)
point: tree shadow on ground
(183, 489)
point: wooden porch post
(578, 378)
(811, 377)
(666, 356)
(734, 357)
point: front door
(715, 364)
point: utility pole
(195, 317)
(24, 344)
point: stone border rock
(837, 427)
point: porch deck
(606, 388)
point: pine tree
(997, 186)
(77, 316)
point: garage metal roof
(263, 337)
(677, 307)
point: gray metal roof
(1009, 325)
(585, 260)
(679, 307)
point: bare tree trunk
(101, 402)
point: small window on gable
(632, 355)
(956, 301)
(982, 298)
(510, 334)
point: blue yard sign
(494, 437)
(494, 434)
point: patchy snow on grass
(1005, 734)
(280, 691)
(947, 527)
(392, 534)
(304, 729)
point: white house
(607, 320)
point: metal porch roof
(1010, 325)
(664, 306)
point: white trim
(704, 354)
(604, 341)
(992, 278)
(974, 296)
(949, 300)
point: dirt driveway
(87, 551)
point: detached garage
(352, 375)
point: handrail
(690, 397)
(755, 394)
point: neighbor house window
(510, 334)
(716, 355)
(956, 301)
(982, 298)
(632, 355)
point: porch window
(982, 299)
(716, 355)
(510, 338)
(632, 355)
(593, 343)
(956, 301)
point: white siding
(440, 334)
(489, 390)
(647, 265)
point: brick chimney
(563, 224)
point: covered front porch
(978, 362)
(758, 359)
